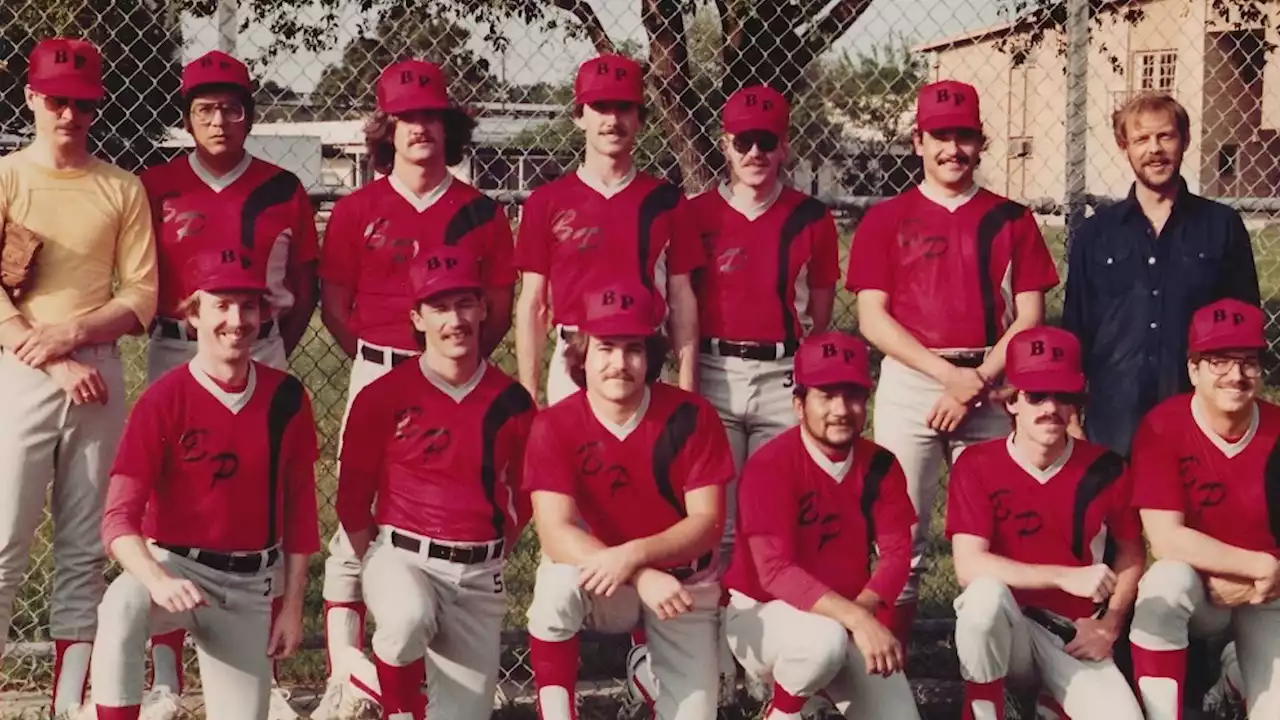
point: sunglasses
(763, 139)
(1061, 398)
(58, 104)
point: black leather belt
(173, 330)
(241, 563)
(374, 355)
(464, 554)
(966, 360)
(684, 572)
(748, 351)
(1054, 623)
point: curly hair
(656, 347)
(379, 138)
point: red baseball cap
(446, 269)
(948, 104)
(621, 310)
(224, 269)
(1227, 324)
(215, 68)
(609, 77)
(1044, 359)
(759, 107)
(66, 68)
(832, 358)
(412, 85)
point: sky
(537, 55)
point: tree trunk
(683, 114)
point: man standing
(605, 222)
(275, 223)
(374, 237)
(945, 274)
(1030, 517)
(64, 395)
(202, 509)
(1138, 269)
(440, 443)
(626, 479)
(816, 503)
(1203, 467)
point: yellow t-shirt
(96, 227)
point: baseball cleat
(160, 704)
(280, 709)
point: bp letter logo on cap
(609, 78)
(832, 358)
(948, 105)
(447, 269)
(623, 310)
(1227, 324)
(759, 107)
(412, 85)
(66, 68)
(1044, 359)
(215, 68)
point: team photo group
(708, 464)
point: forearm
(1206, 554)
(293, 325)
(105, 325)
(1015, 575)
(337, 319)
(681, 543)
(993, 365)
(531, 342)
(13, 331)
(884, 332)
(131, 552)
(684, 339)
(1130, 562)
(848, 613)
(497, 321)
(568, 544)
(295, 579)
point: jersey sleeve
(340, 254)
(1033, 268)
(137, 270)
(824, 259)
(546, 467)
(968, 510)
(1157, 483)
(499, 252)
(894, 517)
(533, 237)
(301, 521)
(369, 425)
(1122, 520)
(870, 261)
(767, 508)
(305, 247)
(710, 460)
(687, 253)
(138, 466)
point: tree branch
(837, 22)
(582, 10)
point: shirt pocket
(1200, 267)
(1113, 270)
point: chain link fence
(1049, 75)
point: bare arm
(821, 303)
(1172, 540)
(533, 317)
(1029, 312)
(973, 560)
(13, 331)
(692, 537)
(883, 331)
(295, 581)
(554, 516)
(497, 321)
(302, 281)
(134, 557)
(335, 312)
(1131, 561)
(684, 329)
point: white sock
(342, 635)
(555, 702)
(165, 665)
(68, 694)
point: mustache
(618, 375)
(960, 157)
(1050, 420)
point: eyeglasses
(1250, 367)
(58, 104)
(1061, 398)
(204, 112)
(763, 139)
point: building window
(1156, 70)
(1020, 147)
(1228, 155)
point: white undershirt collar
(235, 402)
(950, 203)
(457, 392)
(216, 183)
(837, 469)
(1047, 474)
(599, 185)
(420, 202)
(750, 210)
(1230, 449)
(625, 429)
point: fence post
(1077, 113)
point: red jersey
(951, 277)
(443, 462)
(275, 221)
(581, 240)
(755, 285)
(808, 525)
(225, 472)
(1228, 491)
(1063, 515)
(375, 234)
(631, 484)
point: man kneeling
(213, 486)
(812, 503)
(1029, 517)
(643, 466)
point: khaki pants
(995, 641)
(46, 439)
(1173, 606)
(231, 634)
(806, 653)
(903, 400)
(449, 612)
(682, 650)
(165, 354)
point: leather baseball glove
(19, 248)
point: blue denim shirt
(1130, 297)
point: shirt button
(1155, 325)
(1110, 260)
(1151, 261)
(1155, 293)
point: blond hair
(1150, 102)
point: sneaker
(341, 702)
(329, 702)
(160, 704)
(280, 709)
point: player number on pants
(267, 592)
(790, 380)
(497, 583)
